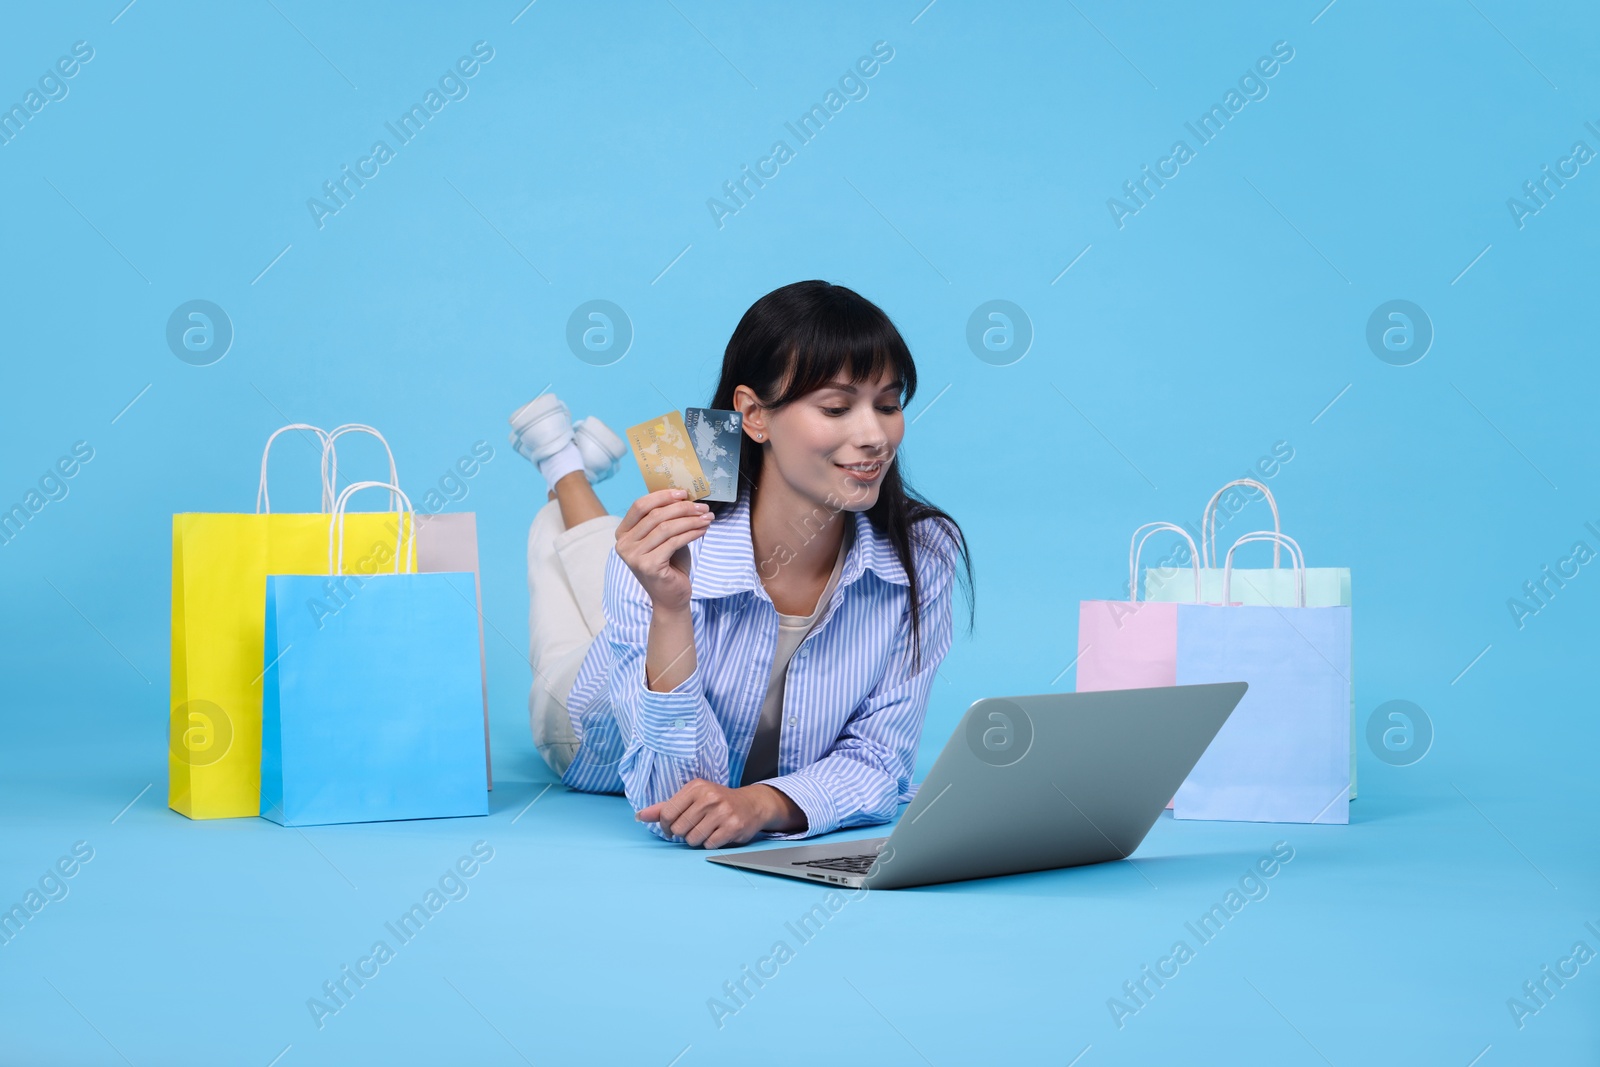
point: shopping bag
(1284, 753)
(447, 541)
(220, 564)
(1324, 586)
(372, 705)
(1129, 644)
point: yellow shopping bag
(220, 564)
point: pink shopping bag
(1130, 644)
(448, 541)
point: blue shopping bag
(1284, 753)
(372, 700)
(1325, 587)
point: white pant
(566, 580)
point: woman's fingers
(711, 818)
(653, 504)
(666, 812)
(667, 529)
(643, 506)
(689, 819)
(702, 814)
(654, 557)
(640, 534)
(726, 834)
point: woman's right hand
(653, 540)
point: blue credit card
(715, 437)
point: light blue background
(1225, 316)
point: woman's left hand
(708, 815)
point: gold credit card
(666, 456)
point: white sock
(563, 463)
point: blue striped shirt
(853, 709)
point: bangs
(847, 342)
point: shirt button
(794, 720)
(677, 722)
(803, 650)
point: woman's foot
(541, 427)
(601, 448)
(543, 432)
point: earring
(758, 436)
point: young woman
(762, 666)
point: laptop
(1028, 783)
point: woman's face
(812, 442)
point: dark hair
(801, 336)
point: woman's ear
(752, 417)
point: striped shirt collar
(723, 563)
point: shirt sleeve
(861, 779)
(669, 738)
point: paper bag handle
(330, 460)
(336, 525)
(1297, 559)
(263, 502)
(1136, 546)
(1208, 521)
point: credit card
(666, 458)
(715, 436)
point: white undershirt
(792, 629)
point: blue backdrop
(1170, 318)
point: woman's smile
(863, 472)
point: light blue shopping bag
(372, 703)
(1284, 753)
(1325, 587)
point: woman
(764, 664)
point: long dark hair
(807, 334)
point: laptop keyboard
(848, 864)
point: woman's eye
(836, 412)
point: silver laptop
(1028, 783)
